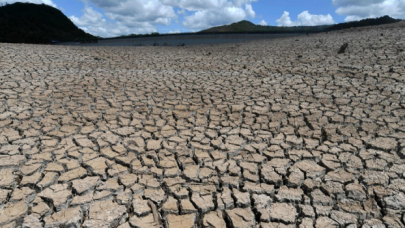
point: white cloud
(135, 16)
(240, 3)
(285, 20)
(174, 31)
(249, 11)
(216, 12)
(340, 3)
(94, 23)
(181, 11)
(106, 3)
(304, 19)
(90, 16)
(360, 9)
(153, 11)
(46, 2)
(263, 23)
(208, 18)
(194, 5)
(124, 17)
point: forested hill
(249, 27)
(362, 23)
(38, 24)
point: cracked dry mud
(273, 133)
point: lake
(189, 39)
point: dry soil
(272, 133)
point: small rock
(343, 48)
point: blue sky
(108, 18)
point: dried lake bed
(270, 133)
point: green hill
(249, 27)
(241, 26)
(39, 24)
(365, 22)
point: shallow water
(175, 40)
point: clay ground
(272, 133)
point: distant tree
(365, 22)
